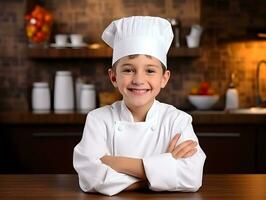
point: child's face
(139, 79)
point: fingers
(190, 153)
(184, 149)
(173, 142)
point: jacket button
(153, 128)
(119, 128)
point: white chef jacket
(111, 130)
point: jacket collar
(126, 114)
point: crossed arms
(134, 167)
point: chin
(139, 103)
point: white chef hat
(139, 35)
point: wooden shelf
(103, 52)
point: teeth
(139, 91)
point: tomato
(48, 18)
(39, 24)
(203, 91)
(39, 16)
(204, 85)
(40, 36)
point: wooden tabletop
(66, 187)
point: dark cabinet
(229, 148)
(40, 148)
(48, 147)
(261, 156)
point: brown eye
(128, 70)
(150, 71)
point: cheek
(123, 81)
(157, 83)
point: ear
(165, 78)
(112, 76)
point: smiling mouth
(138, 91)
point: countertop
(60, 186)
(199, 117)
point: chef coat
(111, 130)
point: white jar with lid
(40, 97)
(232, 96)
(63, 92)
(231, 99)
(87, 98)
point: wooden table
(66, 187)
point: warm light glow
(261, 35)
(95, 46)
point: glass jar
(38, 26)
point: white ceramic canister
(196, 30)
(232, 99)
(87, 98)
(63, 92)
(40, 97)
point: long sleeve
(94, 176)
(165, 173)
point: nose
(138, 78)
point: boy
(138, 142)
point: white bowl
(203, 102)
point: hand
(184, 149)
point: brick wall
(225, 48)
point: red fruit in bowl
(203, 91)
(204, 85)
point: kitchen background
(227, 46)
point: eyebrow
(126, 64)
